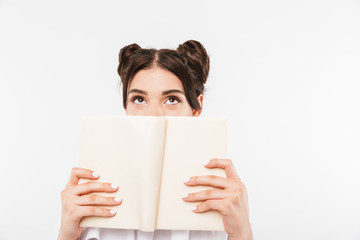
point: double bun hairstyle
(189, 62)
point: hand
(229, 197)
(77, 202)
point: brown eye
(173, 100)
(138, 100)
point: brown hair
(189, 62)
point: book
(149, 158)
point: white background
(285, 73)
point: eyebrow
(163, 93)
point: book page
(190, 143)
(126, 151)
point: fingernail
(112, 211)
(206, 163)
(188, 179)
(95, 174)
(195, 208)
(185, 196)
(116, 199)
(113, 186)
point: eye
(138, 100)
(173, 100)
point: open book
(149, 158)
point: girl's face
(158, 92)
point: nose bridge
(154, 109)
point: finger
(205, 195)
(85, 211)
(225, 164)
(219, 205)
(95, 200)
(246, 201)
(208, 180)
(77, 173)
(90, 187)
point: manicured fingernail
(187, 180)
(116, 199)
(113, 186)
(112, 211)
(95, 174)
(195, 208)
(185, 196)
(206, 163)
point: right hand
(78, 202)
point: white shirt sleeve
(125, 234)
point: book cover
(149, 157)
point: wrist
(240, 238)
(243, 237)
(63, 237)
(247, 235)
(68, 235)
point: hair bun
(197, 58)
(125, 56)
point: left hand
(229, 197)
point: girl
(157, 83)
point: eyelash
(134, 98)
(137, 97)
(176, 98)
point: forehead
(155, 80)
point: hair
(189, 62)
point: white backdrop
(285, 73)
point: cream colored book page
(126, 151)
(190, 142)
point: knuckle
(72, 212)
(228, 162)
(63, 193)
(92, 198)
(235, 197)
(225, 208)
(92, 210)
(206, 205)
(221, 208)
(90, 185)
(209, 193)
(212, 177)
(74, 170)
(227, 205)
(203, 206)
(240, 187)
